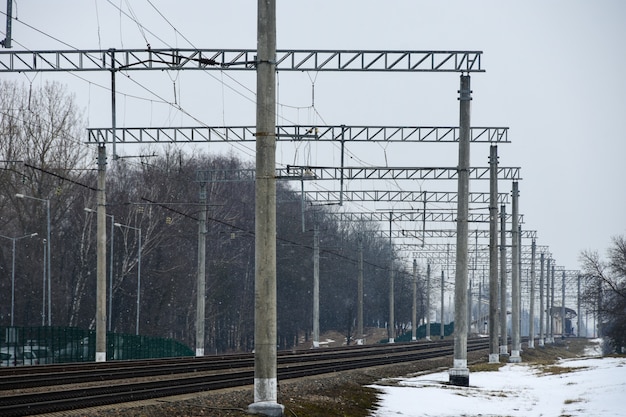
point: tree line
(43, 156)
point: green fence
(41, 345)
(435, 331)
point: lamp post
(13, 240)
(138, 230)
(49, 275)
(88, 210)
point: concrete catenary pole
(494, 356)
(428, 301)
(515, 278)
(101, 247)
(548, 306)
(316, 286)
(579, 324)
(551, 311)
(541, 303)
(265, 328)
(201, 278)
(504, 347)
(391, 329)
(531, 313)
(359, 320)
(441, 325)
(459, 373)
(414, 309)
(563, 306)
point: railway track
(52, 388)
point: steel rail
(300, 365)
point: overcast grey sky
(554, 75)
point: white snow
(595, 387)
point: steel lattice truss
(239, 59)
(356, 173)
(392, 173)
(411, 216)
(333, 196)
(446, 253)
(295, 133)
(447, 234)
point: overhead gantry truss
(355, 173)
(239, 60)
(297, 173)
(446, 233)
(334, 196)
(411, 216)
(296, 133)
(392, 173)
(447, 254)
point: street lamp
(138, 230)
(13, 240)
(47, 249)
(88, 210)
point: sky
(594, 386)
(553, 75)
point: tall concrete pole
(547, 336)
(531, 313)
(414, 297)
(392, 307)
(579, 311)
(551, 311)
(563, 306)
(504, 347)
(515, 278)
(101, 247)
(6, 43)
(359, 320)
(391, 330)
(316, 286)
(265, 329)
(494, 356)
(201, 278)
(441, 325)
(459, 373)
(428, 301)
(541, 303)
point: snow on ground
(594, 387)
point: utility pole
(316, 286)
(6, 42)
(578, 313)
(459, 373)
(101, 278)
(391, 330)
(551, 312)
(201, 283)
(531, 313)
(414, 312)
(428, 301)
(563, 306)
(541, 303)
(265, 329)
(494, 356)
(359, 319)
(515, 278)
(547, 336)
(441, 326)
(504, 347)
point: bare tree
(605, 291)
